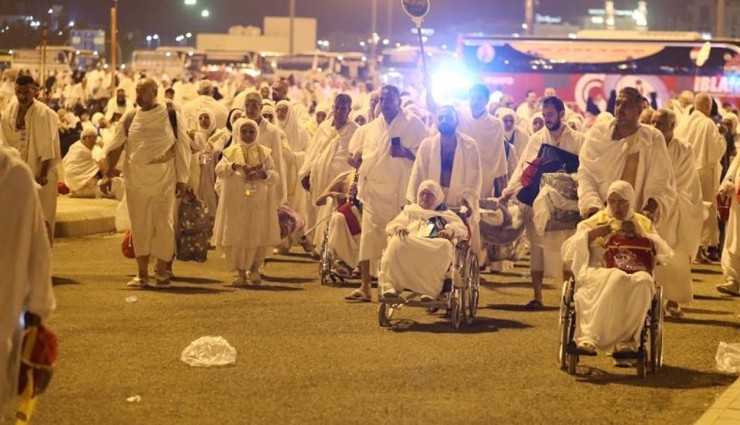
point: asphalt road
(306, 356)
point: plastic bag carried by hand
(728, 357)
(209, 351)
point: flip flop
(358, 295)
(534, 305)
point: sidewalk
(726, 410)
(80, 217)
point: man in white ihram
(624, 149)
(451, 159)
(386, 148)
(32, 128)
(25, 261)
(682, 224)
(156, 169)
(699, 131)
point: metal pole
(113, 44)
(374, 43)
(720, 18)
(529, 17)
(390, 20)
(44, 43)
(291, 48)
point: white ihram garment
(682, 225)
(150, 182)
(602, 162)
(488, 133)
(383, 179)
(416, 263)
(39, 142)
(25, 261)
(709, 146)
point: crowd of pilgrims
(262, 166)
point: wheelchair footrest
(572, 349)
(627, 355)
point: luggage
(290, 221)
(195, 227)
(629, 254)
(556, 206)
(550, 159)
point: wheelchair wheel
(456, 307)
(385, 312)
(567, 323)
(472, 285)
(656, 331)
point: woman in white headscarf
(538, 121)
(418, 257)
(288, 121)
(208, 142)
(610, 303)
(515, 137)
(247, 219)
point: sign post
(417, 10)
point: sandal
(674, 310)
(534, 305)
(161, 281)
(138, 282)
(358, 295)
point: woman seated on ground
(420, 247)
(611, 304)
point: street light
(190, 2)
(205, 13)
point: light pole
(291, 32)
(374, 43)
(720, 18)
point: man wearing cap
(204, 100)
(82, 172)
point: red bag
(38, 357)
(127, 246)
(353, 216)
(629, 254)
(723, 207)
(62, 188)
(530, 173)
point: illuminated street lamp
(205, 13)
(190, 2)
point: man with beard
(118, 106)
(386, 149)
(545, 249)
(451, 159)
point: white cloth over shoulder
(602, 161)
(488, 133)
(79, 166)
(25, 261)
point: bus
(350, 65)
(158, 63)
(581, 68)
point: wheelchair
(460, 303)
(649, 355)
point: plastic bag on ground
(209, 351)
(728, 357)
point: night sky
(171, 17)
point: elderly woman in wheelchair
(421, 246)
(612, 255)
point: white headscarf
(291, 127)
(435, 188)
(237, 130)
(625, 191)
(505, 112)
(212, 120)
(267, 109)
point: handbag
(550, 159)
(290, 221)
(629, 254)
(127, 246)
(723, 207)
(353, 216)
